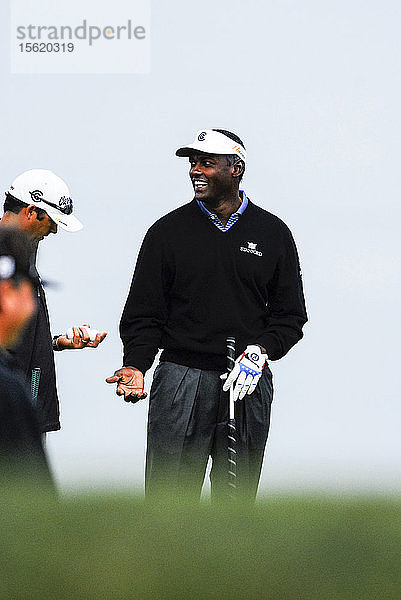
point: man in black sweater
(215, 267)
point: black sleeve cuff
(54, 343)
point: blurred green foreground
(117, 546)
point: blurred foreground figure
(217, 267)
(21, 453)
(37, 203)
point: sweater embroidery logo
(251, 249)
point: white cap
(213, 142)
(47, 191)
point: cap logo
(239, 151)
(36, 195)
(201, 136)
(65, 205)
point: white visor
(213, 142)
(49, 192)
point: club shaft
(230, 365)
(232, 439)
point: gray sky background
(313, 88)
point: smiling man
(215, 267)
(37, 203)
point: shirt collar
(239, 212)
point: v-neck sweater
(194, 285)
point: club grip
(230, 353)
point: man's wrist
(263, 350)
(55, 343)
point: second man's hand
(130, 384)
(80, 339)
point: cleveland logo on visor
(36, 195)
(201, 136)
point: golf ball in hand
(91, 332)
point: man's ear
(238, 169)
(30, 211)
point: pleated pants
(188, 423)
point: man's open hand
(129, 384)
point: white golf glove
(246, 372)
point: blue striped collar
(233, 218)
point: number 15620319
(46, 47)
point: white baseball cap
(213, 142)
(49, 192)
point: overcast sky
(313, 88)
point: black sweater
(194, 285)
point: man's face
(17, 307)
(211, 176)
(38, 224)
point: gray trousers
(188, 422)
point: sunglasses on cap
(64, 205)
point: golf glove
(246, 372)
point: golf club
(232, 455)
